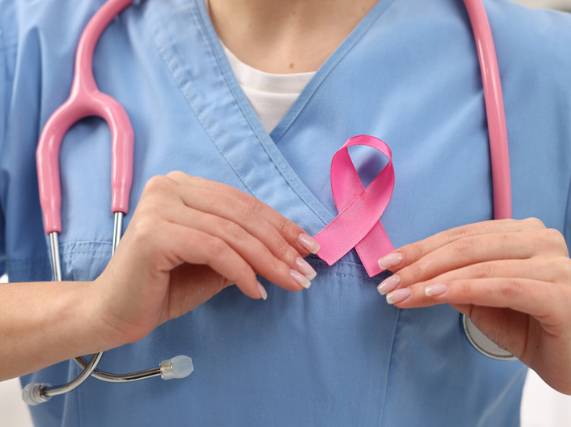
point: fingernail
(398, 296)
(435, 289)
(390, 260)
(388, 284)
(305, 268)
(262, 290)
(308, 243)
(300, 278)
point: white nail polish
(388, 284)
(262, 291)
(300, 278)
(435, 289)
(389, 260)
(305, 268)
(399, 295)
(308, 243)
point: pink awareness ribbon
(359, 209)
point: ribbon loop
(357, 224)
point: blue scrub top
(337, 354)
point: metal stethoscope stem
(177, 367)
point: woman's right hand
(189, 238)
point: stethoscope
(86, 100)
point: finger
(475, 249)
(218, 198)
(534, 297)
(167, 193)
(409, 253)
(546, 269)
(290, 272)
(186, 245)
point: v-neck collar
(279, 131)
(197, 61)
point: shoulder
(35, 37)
(22, 19)
(524, 22)
(532, 42)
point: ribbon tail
(373, 246)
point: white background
(542, 406)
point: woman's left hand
(511, 277)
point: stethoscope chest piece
(482, 343)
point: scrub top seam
(489, 412)
(287, 174)
(8, 47)
(94, 248)
(78, 401)
(567, 213)
(182, 83)
(389, 366)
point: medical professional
(218, 255)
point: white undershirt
(270, 94)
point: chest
(190, 114)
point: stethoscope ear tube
(499, 148)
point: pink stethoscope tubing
(87, 100)
(495, 110)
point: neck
(280, 36)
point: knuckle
(250, 208)
(215, 247)
(510, 288)
(418, 270)
(283, 226)
(413, 252)
(484, 269)
(555, 236)
(290, 255)
(156, 183)
(464, 287)
(231, 229)
(534, 221)
(145, 226)
(564, 264)
(459, 232)
(176, 175)
(463, 247)
(144, 231)
(283, 249)
(254, 207)
(423, 267)
(288, 228)
(253, 211)
(148, 209)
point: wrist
(104, 333)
